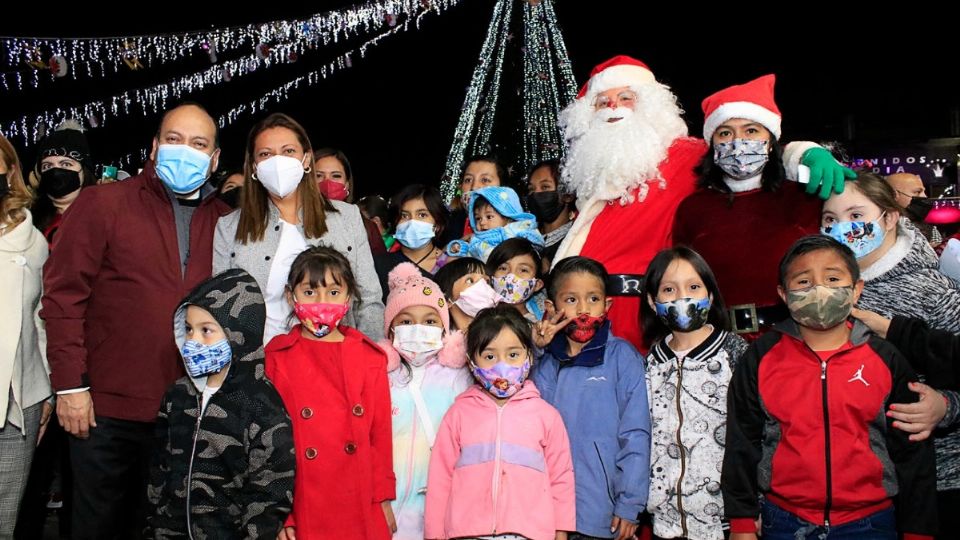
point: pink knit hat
(408, 287)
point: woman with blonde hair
(24, 384)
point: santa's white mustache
(608, 115)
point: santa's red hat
(614, 73)
(750, 101)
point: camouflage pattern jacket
(225, 471)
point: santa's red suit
(627, 206)
(624, 238)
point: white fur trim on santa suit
(576, 237)
(740, 186)
(745, 110)
(617, 77)
(792, 154)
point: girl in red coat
(333, 381)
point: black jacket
(934, 353)
(237, 455)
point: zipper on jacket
(496, 468)
(413, 445)
(683, 462)
(826, 442)
(193, 451)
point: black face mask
(4, 186)
(232, 197)
(545, 205)
(919, 208)
(58, 183)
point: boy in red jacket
(806, 424)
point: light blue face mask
(741, 159)
(201, 359)
(863, 237)
(181, 168)
(413, 234)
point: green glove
(825, 173)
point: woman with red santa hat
(630, 162)
(744, 216)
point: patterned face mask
(502, 380)
(513, 289)
(820, 307)
(200, 359)
(863, 237)
(684, 314)
(584, 327)
(741, 158)
(320, 318)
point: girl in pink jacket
(501, 465)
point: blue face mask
(414, 234)
(181, 168)
(741, 159)
(203, 359)
(860, 236)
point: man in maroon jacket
(125, 256)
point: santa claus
(630, 162)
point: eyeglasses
(624, 99)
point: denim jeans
(778, 524)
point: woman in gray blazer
(282, 213)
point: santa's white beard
(607, 160)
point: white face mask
(417, 343)
(478, 296)
(280, 175)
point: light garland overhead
(151, 100)
(98, 57)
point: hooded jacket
(225, 471)
(506, 202)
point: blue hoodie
(601, 394)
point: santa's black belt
(625, 285)
(749, 318)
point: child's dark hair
(488, 324)
(653, 328)
(575, 265)
(315, 262)
(432, 199)
(483, 203)
(511, 248)
(454, 270)
(816, 242)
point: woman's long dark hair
(653, 329)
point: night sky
(885, 78)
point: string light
(464, 136)
(548, 87)
(100, 57)
(155, 99)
